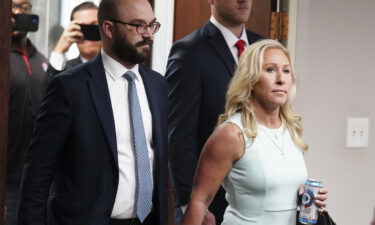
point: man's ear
(107, 28)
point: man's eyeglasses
(25, 7)
(141, 27)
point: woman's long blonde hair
(239, 94)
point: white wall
(46, 35)
(336, 63)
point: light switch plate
(357, 133)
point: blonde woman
(256, 152)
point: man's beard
(128, 52)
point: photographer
(27, 82)
(84, 13)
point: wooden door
(192, 14)
(5, 42)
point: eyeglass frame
(20, 6)
(142, 25)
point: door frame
(5, 45)
(163, 40)
(292, 31)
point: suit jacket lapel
(102, 102)
(152, 98)
(253, 37)
(217, 41)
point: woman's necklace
(275, 132)
(273, 135)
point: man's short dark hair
(83, 6)
(107, 10)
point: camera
(26, 22)
(90, 32)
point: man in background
(98, 152)
(84, 13)
(199, 69)
(27, 84)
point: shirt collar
(83, 59)
(229, 37)
(115, 69)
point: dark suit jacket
(199, 69)
(51, 72)
(74, 148)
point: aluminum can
(309, 211)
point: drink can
(309, 211)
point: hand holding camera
(76, 33)
(71, 34)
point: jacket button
(107, 213)
(115, 182)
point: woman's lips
(280, 91)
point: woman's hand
(209, 219)
(320, 199)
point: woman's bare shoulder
(226, 140)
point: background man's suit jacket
(74, 147)
(199, 69)
(51, 72)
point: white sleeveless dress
(262, 187)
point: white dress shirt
(58, 61)
(125, 202)
(230, 38)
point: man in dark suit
(98, 151)
(199, 69)
(84, 13)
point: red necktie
(240, 45)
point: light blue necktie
(144, 178)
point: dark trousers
(150, 220)
(12, 202)
(125, 222)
